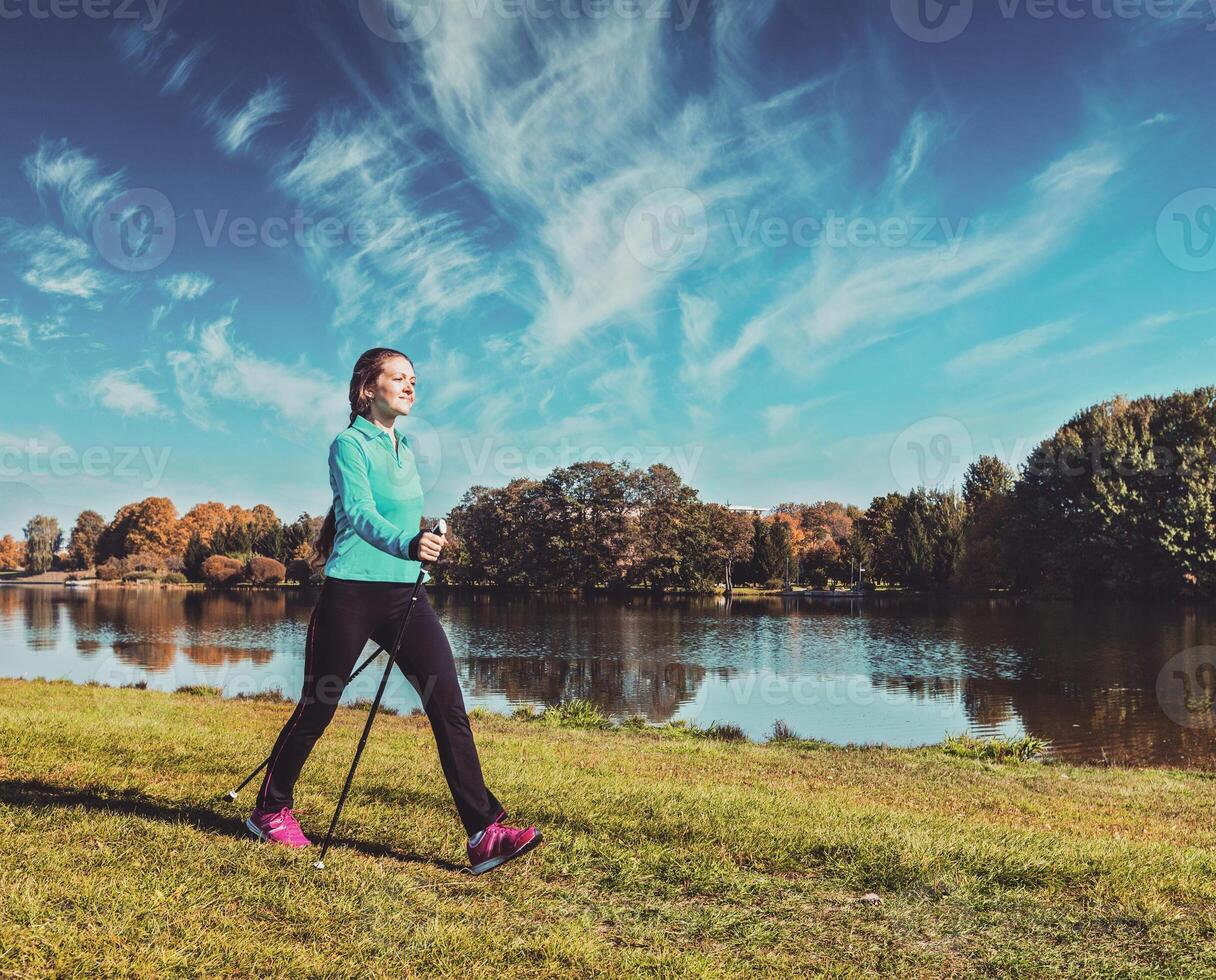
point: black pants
(347, 614)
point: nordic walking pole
(440, 528)
(232, 793)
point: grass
(1022, 748)
(666, 854)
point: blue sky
(797, 251)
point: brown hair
(367, 371)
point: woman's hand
(426, 546)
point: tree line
(1121, 500)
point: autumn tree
(12, 553)
(155, 527)
(204, 520)
(87, 531)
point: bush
(578, 713)
(146, 561)
(724, 732)
(783, 733)
(111, 570)
(298, 570)
(261, 570)
(144, 575)
(222, 570)
(174, 578)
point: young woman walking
(373, 550)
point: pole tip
(319, 865)
(231, 794)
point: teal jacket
(377, 505)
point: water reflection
(896, 671)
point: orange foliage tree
(12, 553)
(204, 520)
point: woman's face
(394, 391)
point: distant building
(741, 509)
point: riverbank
(664, 856)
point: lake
(1130, 684)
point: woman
(372, 551)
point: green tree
(1122, 499)
(43, 540)
(877, 531)
(192, 561)
(730, 540)
(986, 478)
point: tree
(665, 526)
(112, 542)
(205, 520)
(928, 536)
(42, 540)
(986, 478)
(987, 492)
(12, 553)
(770, 550)
(730, 540)
(877, 530)
(82, 546)
(1122, 499)
(192, 561)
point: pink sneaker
(499, 844)
(278, 827)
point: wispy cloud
(54, 263)
(74, 181)
(305, 402)
(236, 129)
(406, 257)
(186, 286)
(1144, 330)
(853, 299)
(995, 353)
(183, 68)
(121, 391)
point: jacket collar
(371, 430)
